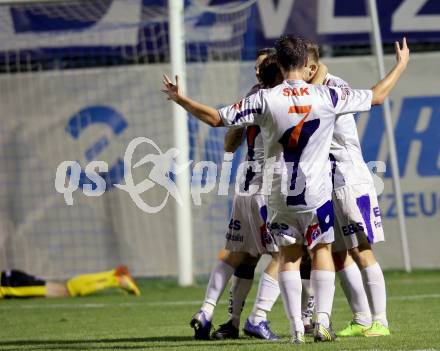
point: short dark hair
(312, 50)
(270, 73)
(265, 51)
(291, 52)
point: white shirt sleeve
(333, 81)
(347, 100)
(246, 112)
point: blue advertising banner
(346, 21)
(116, 28)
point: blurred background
(80, 79)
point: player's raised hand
(383, 88)
(171, 90)
(402, 54)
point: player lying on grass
(358, 223)
(15, 283)
(297, 122)
(247, 238)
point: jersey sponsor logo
(345, 93)
(313, 232)
(376, 211)
(352, 228)
(234, 224)
(295, 91)
(278, 226)
(234, 237)
(358, 227)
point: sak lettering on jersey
(295, 91)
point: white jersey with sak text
(297, 122)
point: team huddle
(308, 199)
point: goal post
(376, 44)
(184, 229)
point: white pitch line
(172, 303)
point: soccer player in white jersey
(268, 74)
(358, 224)
(247, 238)
(240, 239)
(297, 122)
(248, 221)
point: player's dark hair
(265, 51)
(291, 52)
(312, 50)
(269, 71)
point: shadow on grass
(116, 343)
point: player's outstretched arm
(233, 139)
(382, 89)
(205, 113)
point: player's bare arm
(382, 89)
(204, 113)
(233, 139)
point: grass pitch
(158, 320)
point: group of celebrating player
(308, 198)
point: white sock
(307, 302)
(239, 291)
(374, 284)
(220, 276)
(268, 292)
(353, 286)
(290, 286)
(323, 284)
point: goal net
(80, 81)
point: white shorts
(303, 228)
(247, 228)
(357, 216)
